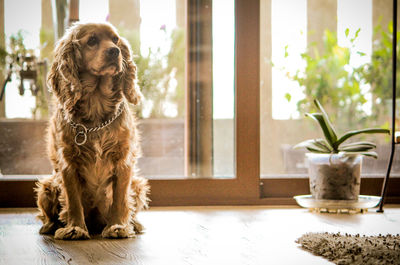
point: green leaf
(390, 26)
(315, 150)
(329, 134)
(356, 148)
(286, 51)
(347, 32)
(356, 132)
(318, 145)
(357, 32)
(288, 97)
(322, 143)
(330, 129)
(360, 143)
(369, 153)
(356, 35)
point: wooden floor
(191, 235)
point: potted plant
(335, 166)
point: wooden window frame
(246, 188)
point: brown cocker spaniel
(92, 138)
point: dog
(93, 142)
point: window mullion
(247, 95)
(199, 118)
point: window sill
(18, 191)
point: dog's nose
(112, 53)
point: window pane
(223, 29)
(186, 119)
(289, 30)
(22, 24)
(313, 49)
(160, 48)
(93, 11)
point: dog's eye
(115, 39)
(92, 41)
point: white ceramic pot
(334, 176)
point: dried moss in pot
(334, 176)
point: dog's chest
(99, 172)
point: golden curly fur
(93, 188)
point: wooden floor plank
(191, 235)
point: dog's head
(100, 48)
(95, 49)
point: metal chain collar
(82, 131)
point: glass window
(187, 117)
(22, 25)
(289, 30)
(93, 11)
(223, 33)
(319, 49)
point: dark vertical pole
(394, 66)
(2, 46)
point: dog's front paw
(71, 233)
(48, 228)
(118, 231)
(137, 227)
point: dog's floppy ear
(63, 76)
(129, 78)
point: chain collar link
(82, 131)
